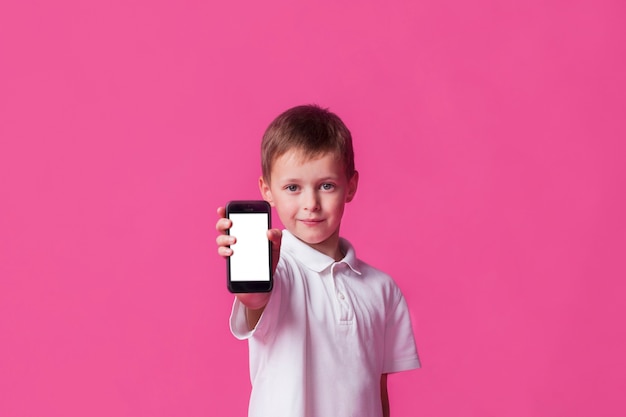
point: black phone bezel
(250, 206)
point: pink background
(490, 141)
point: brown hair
(310, 129)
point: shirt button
(341, 296)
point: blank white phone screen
(250, 258)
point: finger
(275, 236)
(221, 211)
(224, 251)
(225, 240)
(223, 225)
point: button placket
(345, 309)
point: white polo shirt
(328, 332)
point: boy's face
(309, 196)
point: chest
(339, 301)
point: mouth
(311, 222)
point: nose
(310, 200)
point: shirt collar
(314, 259)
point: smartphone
(249, 268)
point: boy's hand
(224, 240)
(253, 301)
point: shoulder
(380, 283)
(287, 263)
(369, 274)
(372, 273)
(289, 271)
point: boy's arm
(255, 302)
(384, 395)
(251, 301)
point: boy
(323, 341)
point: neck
(330, 247)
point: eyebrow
(317, 180)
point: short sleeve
(400, 349)
(239, 321)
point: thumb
(275, 236)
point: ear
(353, 184)
(266, 192)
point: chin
(311, 240)
(316, 240)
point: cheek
(286, 206)
(337, 204)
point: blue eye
(327, 186)
(292, 188)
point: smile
(311, 222)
